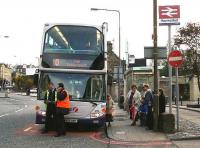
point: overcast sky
(23, 21)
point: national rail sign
(175, 58)
(169, 15)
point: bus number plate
(71, 120)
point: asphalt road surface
(17, 128)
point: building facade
(5, 75)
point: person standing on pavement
(133, 101)
(161, 101)
(148, 98)
(143, 110)
(62, 108)
(109, 109)
(50, 99)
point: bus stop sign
(175, 58)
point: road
(17, 129)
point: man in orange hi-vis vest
(62, 108)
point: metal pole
(119, 56)
(96, 9)
(170, 71)
(2, 86)
(177, 99)
(156, 103)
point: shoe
(133, 124)
(148, 128)
(57, 135)
(63, 134)
(44, 131)
(109, 125)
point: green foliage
(23, 82)
(165, 70)
(188, 37)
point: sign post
(169, 15)
(175, 59)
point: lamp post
(100, 9)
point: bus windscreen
(81, 87)
(73, 47)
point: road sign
(169, 15)
(166, 12)
(175, 58)
(149, 52)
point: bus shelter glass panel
(82, 87)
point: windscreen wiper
(93, 103)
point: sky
(23, 21)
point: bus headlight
(96, 114)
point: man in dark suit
(50, 99)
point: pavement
(121, 130)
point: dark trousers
(149, 118)
(142, 118)
(60, 123)
(130, 111)
(50, 117)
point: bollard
(6, 94)
(198, 100)
(181, 98)
(175, 99)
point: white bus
(76, 56)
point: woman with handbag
(62, 108)
(133, 101)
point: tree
(164, 70)
(23, 83)
(188, 37)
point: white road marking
(26, 106)
(16, 100)
(120, 132)
(4, 115)
(29, 128)
(19, 110)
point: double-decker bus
(75, 55)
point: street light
(98, 9)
